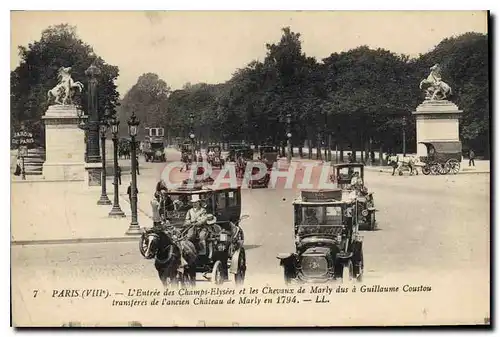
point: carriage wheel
(359, 268)
(444, 168)
(426, 170)
(347, 272)
(217, 276)
(373, 223)
(434, 168)
(239, 277)
(454, 166)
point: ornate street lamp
(404, 135)
(93, 117)
(103, 128)
(191, 136)
(289, 137)
(116, 211)
(133, 124)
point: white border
(179, 5)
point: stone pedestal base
(93, 174)
(436, 121)
(63, 171)
(64, 144)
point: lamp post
(93, 118)
(116, 211)
(404, 135)
(103, 127)
(289, 137)
(133, 124)
(191, 134)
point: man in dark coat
(472, 155)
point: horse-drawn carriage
(350, 179)
(214, 157)
(154, 151)
(327, 240)
(239, 150)
(170, 246)
(268, 154)
(257, 179)
(442, 157)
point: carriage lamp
(133, 123)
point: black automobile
(328, 245)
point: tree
(148, 99)
(37, 73)
(464, 60)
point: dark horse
(175, 259)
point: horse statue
(62, 92)
(175, 256)
(436, 88)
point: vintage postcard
(250, 168)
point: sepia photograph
(250, 168)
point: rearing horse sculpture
(62, 92)
(437, 89)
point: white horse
(435, 85)
(62, 91)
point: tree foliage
(37, 74)
(359, 96)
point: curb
(73, 241)
(459, 173)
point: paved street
(432, 230)
(426, 223)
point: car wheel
(217, 277)
(347, 272)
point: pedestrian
(119, 174)
(155, 205)
(350, 157)
(472, 155)
(137, 166)
(129, 192)
(17, 172)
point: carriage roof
(320, 197)
(443, 146)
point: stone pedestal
(436, 121)
(93, 174)
(64, 144)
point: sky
(209, 46)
